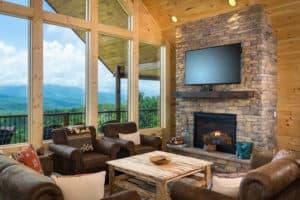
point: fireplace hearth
(217, 129)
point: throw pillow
(227, 186)
(85, 186)
(282, 154)
(82, 142)
(29, 157)
(134, 137)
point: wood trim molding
(134, 70)
(64, 20)
(16, 10)
(92, 68)
(36, 77)
(114, 31)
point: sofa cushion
(29, 157)
(92, 160)
(85, 186)
(134, 137)
(139, 149)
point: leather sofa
(22, 183)
(148, 143)
(71, 160)
(276, 180)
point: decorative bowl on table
(160, 160)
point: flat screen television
(214, 65)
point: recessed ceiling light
(232, 3)
(174, 19)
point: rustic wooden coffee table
(140, 168)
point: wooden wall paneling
(149, 30)
(36, 77)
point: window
(64, 77)
(14, 45)
(73, 8)
(112, 79)
(111, 12)
(19, 2)
(149, 86)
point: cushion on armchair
(80, 137)
(134, 137)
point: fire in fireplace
(215, 129)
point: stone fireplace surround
(256, 116)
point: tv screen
(214, 65)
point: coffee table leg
(161, 191)
(208, 176)
(111, 171)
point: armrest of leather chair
(126, 195)
(20, 182)
(65, 151)
(269, 180)
(150, 140)
(124, 144)
(107, 147)
(260, 158)
(183, 190)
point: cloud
(13, 65)
(64, 65)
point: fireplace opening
(217, 129)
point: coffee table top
(141, 166)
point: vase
(244, 150)
(187, 137)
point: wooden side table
(47, 162)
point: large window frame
(38, 16)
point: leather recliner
(71, 160)
(148, 142)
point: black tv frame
(211, 84)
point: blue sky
(64, 55)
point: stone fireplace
(255, 115)
(217, 124)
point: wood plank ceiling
(284, 17)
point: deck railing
(148, 118)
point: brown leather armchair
(69, 158)
(276, 180)
(148, 143)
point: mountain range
(13, 99)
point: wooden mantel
(240, 94)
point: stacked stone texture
(256, 118)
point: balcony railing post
(66, 119)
